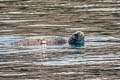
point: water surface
(99, 59)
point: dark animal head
(77, 38)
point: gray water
(99, 59)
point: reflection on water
(98, 59)
(15, 21)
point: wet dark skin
(77, 38)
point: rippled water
(99, 59)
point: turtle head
(77, 38)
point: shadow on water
(98, 59)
